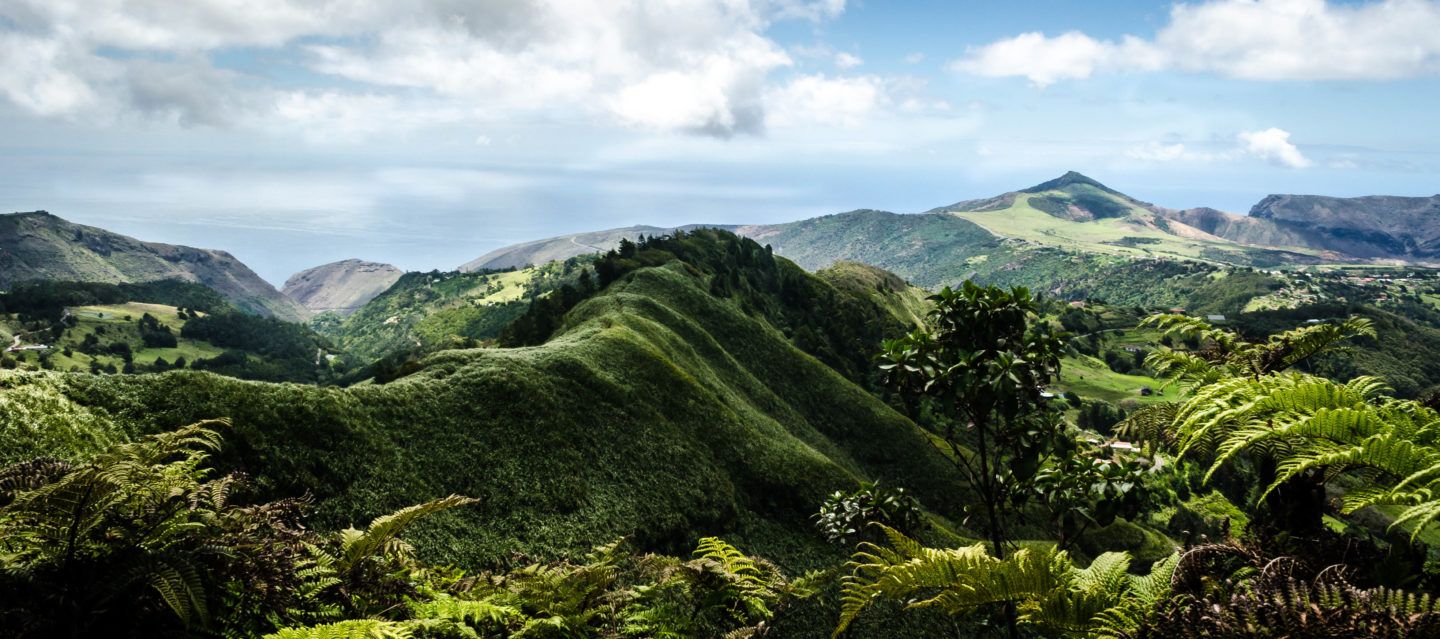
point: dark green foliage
(846, 518)
(1098, 415)
(1133, 241)
(1228, 295)
(1056, 206)
(1086, 487)
(979, 369)
(154, 334)
(284, 351)
(1405, 350)
(136, 541)
(1099, 205)
(835, 326)
(48, 299)
(424, 312)
(261, 335)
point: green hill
(428, 311)
(1071, 237)
(904, 303)
(1079, 213)
(151, 327)
(660, 410)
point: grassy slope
(1089, 377)
(905, 303)
(117, 328)
(663, 413)
(940, 249)
(660, 411)
(1023, 221)
(1083, 215)
(425, 309)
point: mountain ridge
(1077, 212)
(39, 245)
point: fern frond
(356, 546)
(352, 629)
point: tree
(978, 370)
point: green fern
(383, 533)
(1047, 589)
(352, 629)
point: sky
(425, 133)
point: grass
(1107, 235)
(1089, 377)
(117, 313)
(117, 322)
(426, 310)
(905, 303)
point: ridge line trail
(590, 246)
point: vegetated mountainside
(938, 249)
(1071, 237)
(889, 292)
(1078, 213)
(340, 287)
(1242, 229)
(41, 246)
(924, 248)
(566, 246)
(1405, 351)
(428, 311)
(1380, 226)
(661, 410)
(151, 327)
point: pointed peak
(1070, 178)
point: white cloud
(1274, 146)
(847, 61)
(914, 58)
(817, 99)
(1046, 60)
(1250, 39)
(41, 77)
(700, 66)
(1271, 145)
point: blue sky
(426, 133)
